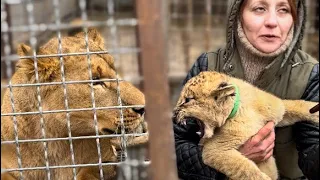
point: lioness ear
(26, 64)
(110, 60)
(48, 68)
(223, 91)
(94, 35)
(23, 50)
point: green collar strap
(236, 103)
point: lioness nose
(139, 110)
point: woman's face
(266, 23)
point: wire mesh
(24, 21)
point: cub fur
(55, 125)
(210, 98)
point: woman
(263, 47)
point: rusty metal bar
(5, 65)
(139, 58)
(186, 34)
(208, 7)
(152, 18)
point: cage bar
(152, 32)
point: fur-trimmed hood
(233, 13)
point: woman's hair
(293, 7)
(292, 4)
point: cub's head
(101, 98)
(208, 98)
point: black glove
(189, 154)
(307, 139)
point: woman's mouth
(269, 37)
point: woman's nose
(271, 20)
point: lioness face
(82, 95)
(209, 99)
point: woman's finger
(262, 133)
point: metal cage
(35, 22)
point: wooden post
(152, 17)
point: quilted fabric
(200, 65)
(189, 158)
(307, 134)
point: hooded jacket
(292, 75)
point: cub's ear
(48, 68)
(94, 35)
(224, 90)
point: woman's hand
(260, 146)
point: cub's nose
(139, 110)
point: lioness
(229, 111)
(79, 96)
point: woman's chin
(268, 49)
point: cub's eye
(223, 84)
(188, 100)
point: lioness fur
(209, 98)
(55, 124)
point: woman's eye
(284, 10)
(259, 9)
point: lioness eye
(188, 100)
(96, 83)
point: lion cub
(233, 111)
